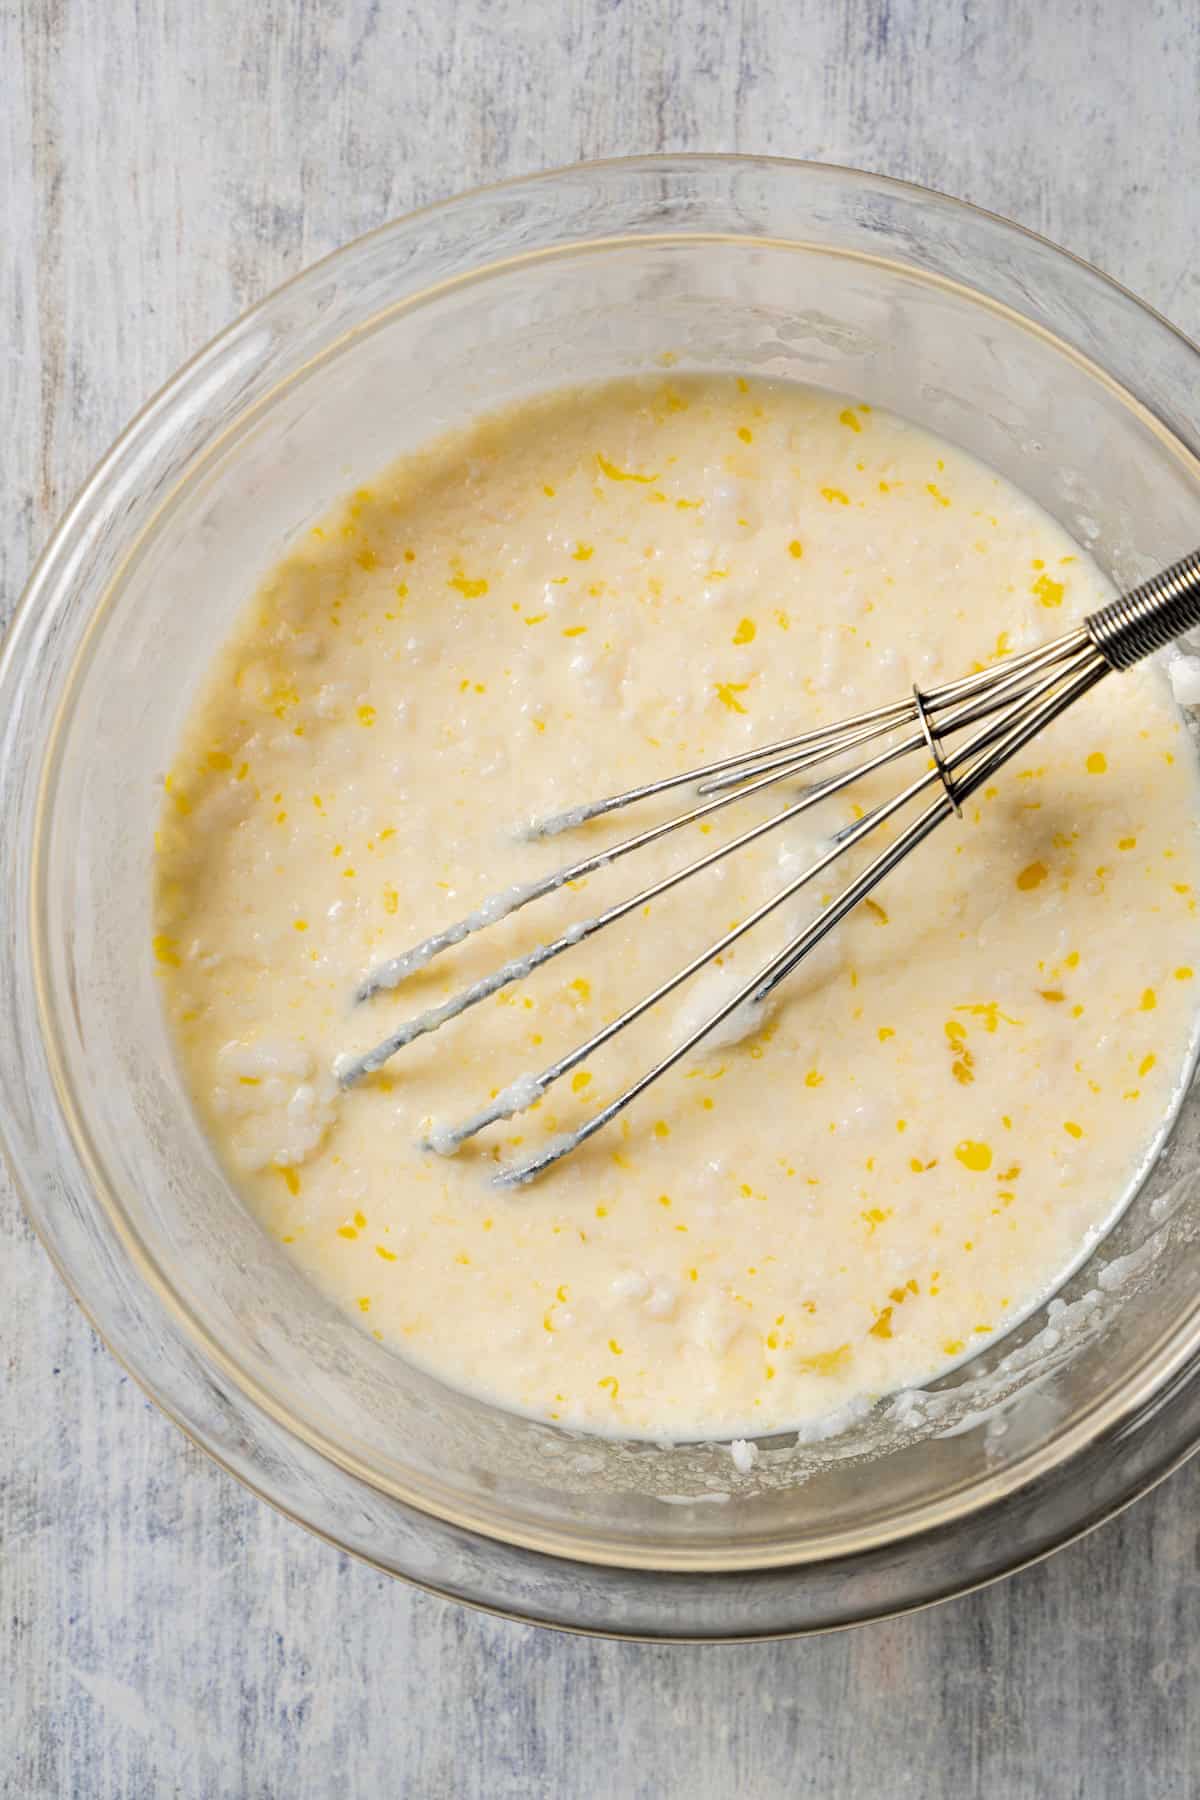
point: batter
(927, 1126)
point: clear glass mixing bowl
(990, 336)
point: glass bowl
(978, 330)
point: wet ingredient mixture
(926, 1127)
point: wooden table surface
(164, 163)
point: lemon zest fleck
(616, 473)
(825, 1362)
(974, 1156)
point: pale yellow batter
(935, 1117)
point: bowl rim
(658, 161)
(206, 361)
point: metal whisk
(1009, 703)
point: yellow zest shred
(825, 1362)
(616, 473)
(974, 1156)
(1047, 591)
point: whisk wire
(996, 745)
(352, 1069)
(1009, 703)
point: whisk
(1009, 704)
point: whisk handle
(1148, 616)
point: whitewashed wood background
(163, 163)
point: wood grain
(161, 1632)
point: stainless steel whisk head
(1007, 704)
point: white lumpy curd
(844, 1191)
